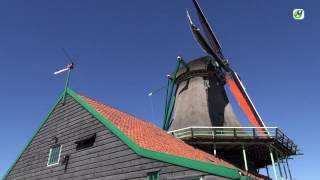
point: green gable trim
(172, 159)
(104, 121)
(33, 136)
(246, 178)
(217, 170)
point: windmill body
(201, 99)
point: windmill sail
(198, 36)
(244, 100)
(213, 48)
(212, 40)
(203, 43)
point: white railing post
(244, 158)
(273, 165)
(230, 131)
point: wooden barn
(84, 139)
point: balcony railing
(263, 133)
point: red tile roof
(150, 137)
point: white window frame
(48, 165)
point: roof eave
(218, 170)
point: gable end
(217, 170)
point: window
(153, 176)
(85, 143)
(54, 155)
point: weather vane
(69, 67)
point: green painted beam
(166, 105)
(167, 116)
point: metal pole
(273, 165)
(267, 169)
(168, 106)
(284, 169)
(288, 168)
(279, 166)
(66, 86)
(244, 158)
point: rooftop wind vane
(68, 68)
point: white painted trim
(244, 89)
(48, 165)
(214, 127)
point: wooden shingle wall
(108, 159)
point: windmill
(225, 74)
(197, 109)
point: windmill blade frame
(212, 39)
(198, 36)
(242, 97)
(231, 77)
(204, 44)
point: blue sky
(124, 49)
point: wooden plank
(109, 158)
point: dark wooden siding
(108, 159)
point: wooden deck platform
(229, 143)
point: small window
(153, 176)
(54, 155)
(85, 143)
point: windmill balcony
(223, 141)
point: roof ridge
(117, 109)
(209, 157)
(150, 141)
(150, 123)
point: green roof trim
(218, 170)
(33, 136)
(246, 178)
